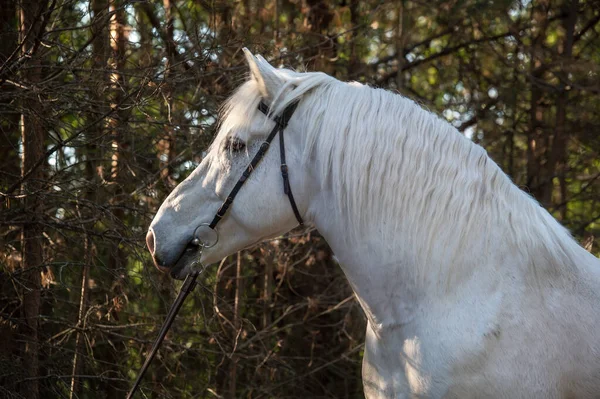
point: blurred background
(105, 105)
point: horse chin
(185, 264)
(190, 258)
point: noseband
(281, 123)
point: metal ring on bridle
(205, 236)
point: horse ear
(265, 75)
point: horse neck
(442, 231)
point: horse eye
(233, 144)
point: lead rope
(188, 286)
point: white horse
(470, 288)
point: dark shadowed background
(106, 105)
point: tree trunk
(239, 283)
(399, 43)
(166, 145)
(9, 173)
(267, 294)
(79, 340)
(118, 42)
(95, 146)
(117, 126)
(93, 173)
(9, 115)
(354, 69)
(116, 187)
(317, 20)
(33, 136)
(558, 152)
(536, 136)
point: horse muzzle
(176, 263)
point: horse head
(186, 220)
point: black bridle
(189, 284)
(209, 230)
(281, 123)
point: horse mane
(391, 163)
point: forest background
(105, 105)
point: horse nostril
(150, 241)
(151, 247)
